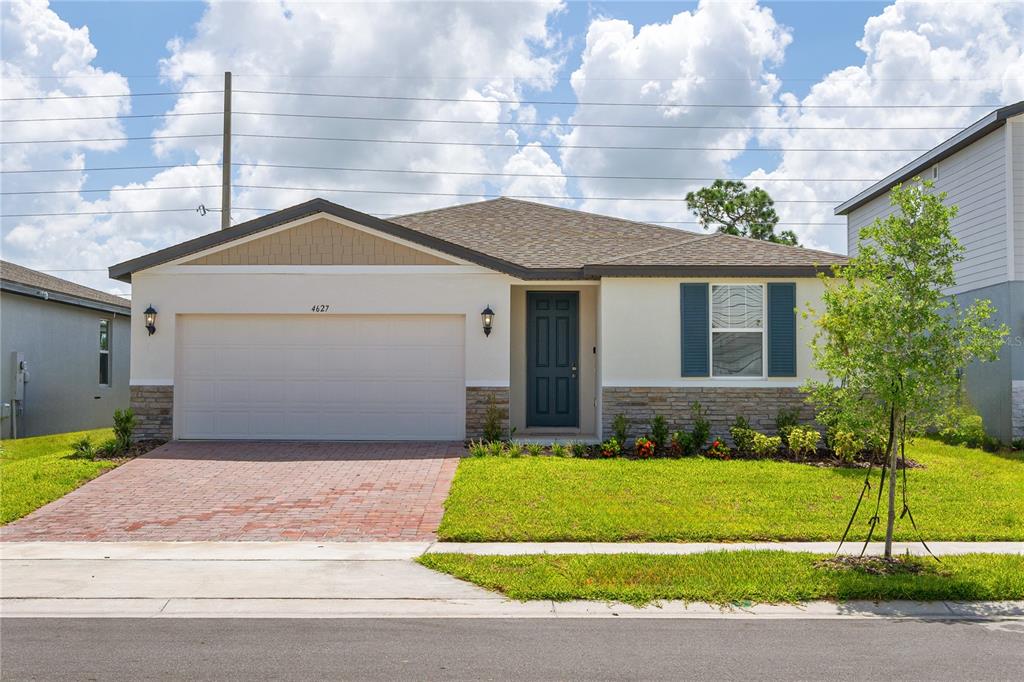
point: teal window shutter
(696, 334)
(782, 329)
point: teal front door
(552, 358)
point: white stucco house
(320, 322)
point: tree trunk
(891, 522)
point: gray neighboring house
(981, 169)
(74, 343)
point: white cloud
(532, 160)
(720, 52)
(917, 53)
(470, 51)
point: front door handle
(574, 371)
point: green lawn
(730, 577)
(962, 494)
(35, 471)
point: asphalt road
(434, 649)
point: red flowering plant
(611, 448)
(644, 447)
(718, 450)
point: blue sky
(796, 67)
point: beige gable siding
(320, 242)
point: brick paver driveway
(257, 491)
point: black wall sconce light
(488, 318)
(150, 314)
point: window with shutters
(737, 330)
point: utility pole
(225, 190)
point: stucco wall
(640, 333)
(401, 290)
(588, 374)
(61, 344)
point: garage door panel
(342, 377)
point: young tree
(734, 209)
(890, 340)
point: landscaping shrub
(785, 421)
(846, 445)
(718, 450)
(534, 449)
(124, 428)
(495, 448)
(742, 434)
(803, 441)
(766, 446)
(83, 448)
(620, 428)
(659, 432)
(559, 450)
(492, 422)
(963, 426)
(679, 444)
(644, 447)
(477, 448)
(611, 447)
(513, 449)
(578, 449)
(109, 449)
(701, 428)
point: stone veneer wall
(478, 399)
(640, 403)
(154, 411)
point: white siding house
(981, 170)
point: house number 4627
(321, 308)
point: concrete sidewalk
(325, 580)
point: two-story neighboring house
(981, 169)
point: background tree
(733, 209)
(891, 340)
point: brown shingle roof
(536, 241)
(536, 235)
(17, 274)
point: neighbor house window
(104, 352)
(737, 330)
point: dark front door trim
(552, 359)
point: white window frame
(762, 330)
(107, 352)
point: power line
(110, 139)
(380, 215)
(427, 77)
(74, 213)
(170, 114)
(351, 190)
(130, 94)
(696, 105)
(477, 122)
(431, 172)
(469, 144)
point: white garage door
(372, 377)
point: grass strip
(732, 577)
(960, 494)
(39, 470)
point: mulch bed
(872, 565)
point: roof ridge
(589, 213)
(445, 208)
(690, 239)
(785, 246)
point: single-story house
(321, 322)
(981, 169)
(64, 349)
